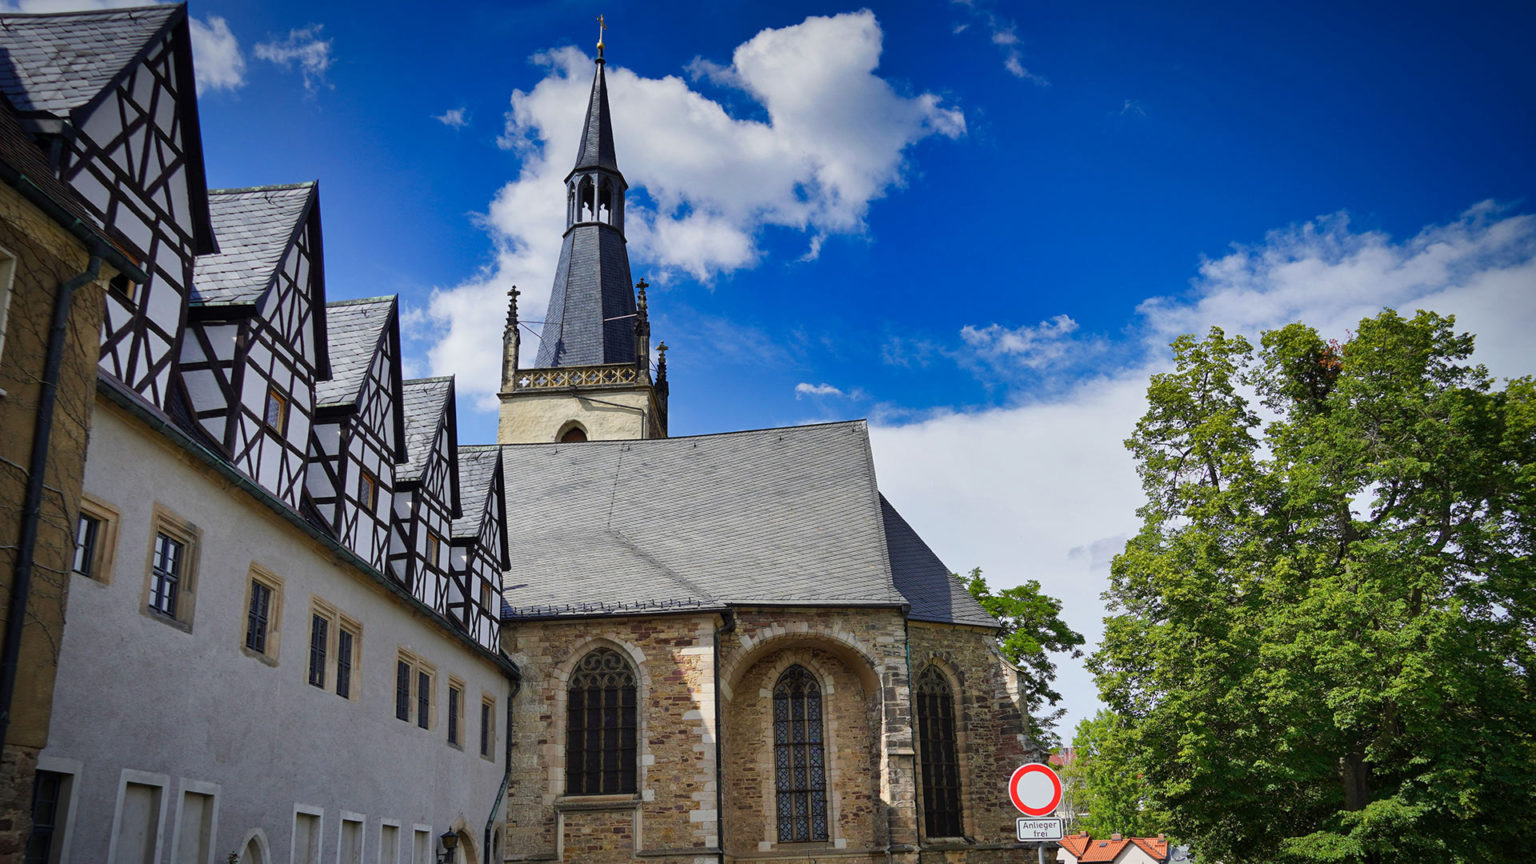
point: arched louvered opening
(799, 757)
(938, 756)
(601, 726)
(573, 434)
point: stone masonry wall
(990, 729)
(45, 256)
(673, 818)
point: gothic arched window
(600, 726)
(799, 757)
(940, 765)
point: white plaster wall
(531, 417)
(139, 696)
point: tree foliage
(1108, 788)
(1322, 643)
(1032, 628)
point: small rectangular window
(455, 709)
(85, 544)
(276, 415)
(95, 538)
(256, 617)
(487, 726)
(319, 637)
(403, 690)
(170, 580)
(165, 586)
(344, 643)
(423, 699)
(50, 804)
(434, 550)
(367, 491)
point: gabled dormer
(426, 491)
(479, 545)
(256, 337)
(358, 435)
(110, 96)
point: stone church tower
(592, 379)
(733, 647)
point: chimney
(1116, 837)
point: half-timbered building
(242, 672)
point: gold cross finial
(600, 27)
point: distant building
(1117, 849)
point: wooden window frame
(272, 636)
(330, 656)
(487, 726)
(165, 522)
(455, 709)
(423, 716)
(367, 490)
(281, 400)
(99, 564)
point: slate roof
(935, 593)
(477, 468)
(58, 62)
(354, 329)
(423, 401)
(592, 305)
(771, 516)
(254, 227)
(596, 150)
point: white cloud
(1047, 491)
(835, 139)
(216, 55)
(1003, 33)
(806, 389)
(456, 118)
(303, 48)
(1032, 347)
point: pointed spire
(511, 342)
(597, 133)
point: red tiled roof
(1157, 847)
(1090, 851)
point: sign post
(1035, 790)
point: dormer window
(367, 491)
(276, 415)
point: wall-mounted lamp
(450, 842)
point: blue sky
(977, 224)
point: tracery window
(600, 726)
(939, 762)
(799, 757)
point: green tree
(1106, 781)
(1322, 641)
(1032, 628)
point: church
(265, 606)
(743, 650)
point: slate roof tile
(57, 62)
(773, 516)
(253, 227)
(354, 328)
(423, 401)
(477, 470)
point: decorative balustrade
(580, 376)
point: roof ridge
(270, 187)
(764, 431)
(80, 13)
(358, 301)
(428, 379)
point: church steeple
(592, 377)
(592, 306)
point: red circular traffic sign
(1035, 789)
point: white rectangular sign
(1039, 829)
